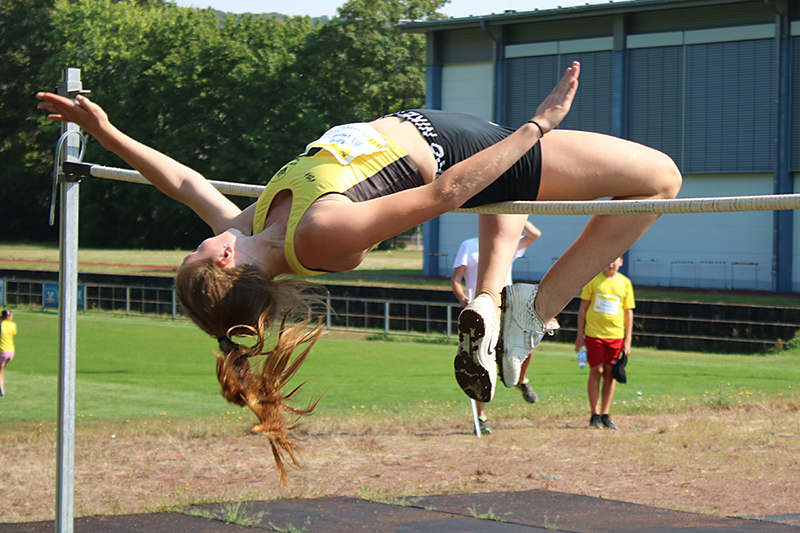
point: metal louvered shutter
(655, 99)
(730, 107)
(592, 109)
(530, 79)
(794, 163)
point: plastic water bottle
(582, 357)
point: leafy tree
(232, 97)
(182, 81)
(360, 65)
(26, 151)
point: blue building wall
(718, 94)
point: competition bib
(348, 141)
(607, 305)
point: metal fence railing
(398, 317)
(391, 316)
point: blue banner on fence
(50, 296)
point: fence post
(386, 317)
(427, 318)
(328, 312)
(449, 320)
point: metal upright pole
(69, 86)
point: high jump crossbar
(721, 204)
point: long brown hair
(244, 302)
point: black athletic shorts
(453, 137)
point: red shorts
(599, 351)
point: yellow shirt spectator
(7, 331)
(608, 299)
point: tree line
(233, 97)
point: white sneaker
(521, 329)
(476, 364)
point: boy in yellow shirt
(605, 327)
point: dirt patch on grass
(743, 461)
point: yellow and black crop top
(354, 160)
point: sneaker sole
(506, 313)
(500, 349)
(471, 377)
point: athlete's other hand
(555, 107)
(82, 111)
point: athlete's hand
(82, 111)
(555, 107)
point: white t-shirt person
(465, 265)
(467, 257)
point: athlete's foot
(475, 363)
(521, 329)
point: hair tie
(537, 125)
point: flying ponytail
(243, 303)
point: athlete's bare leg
(499, 237)
(586, 166)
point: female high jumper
(360, 184)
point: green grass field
(151, 369)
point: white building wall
(709, 250)
(453, 229)
(467, 88)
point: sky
(318, 8)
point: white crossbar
(722, 204)
(131, 176)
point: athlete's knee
(667, 177)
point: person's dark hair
(244, 302)
(5, 314)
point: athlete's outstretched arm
(467, 178)
(170, 177)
